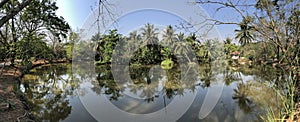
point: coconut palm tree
(151, 53)
(169, 35)
(182, 47)
(132, 39)
(180, 37)
(245, 33)
(149, 34)
(134, 36)
(192, 39)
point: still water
(57, 93)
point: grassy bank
(289, 109)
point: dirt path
(13, 106)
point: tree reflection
(47, 88)
(146, 81)
(254, 92)
(240, 95)
(105, 82)
(205, 75)
(231, 76)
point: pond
(57, 93)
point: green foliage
(69, 50)
(246, 32)
(44, 12)
(286, 93)
(201, 51)
(26, 36)
(150, 54)
(216, 49)
(167, 64)
(259, 51)
(166, 53)
(3, 52)
(33, 46)
(106, 45)
(175, 46)
(81, 50)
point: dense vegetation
(147, 48)
(268, 34)
(34, 32)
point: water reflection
(47, 89)
(240, 96)
(51, 91)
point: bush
(167, 64)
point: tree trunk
(13, 51)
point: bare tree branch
(227, 4)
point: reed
(287, 108)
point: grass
(287, 109)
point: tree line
(145, 47)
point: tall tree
(182, 47)
(169, 35)
(245, 33)
(149, 34)
(150, 41)
(131, 41)
(106, 45)
(134, 36)
(35, 20)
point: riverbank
(13, 106)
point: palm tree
(180, 37)
(192, 39)
(182, 47)
(169, 35)
(227, 40)
(180, 40)
(150, 39)
(133, 38)
(149, 34)
(245, 33)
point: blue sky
(76, 12)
